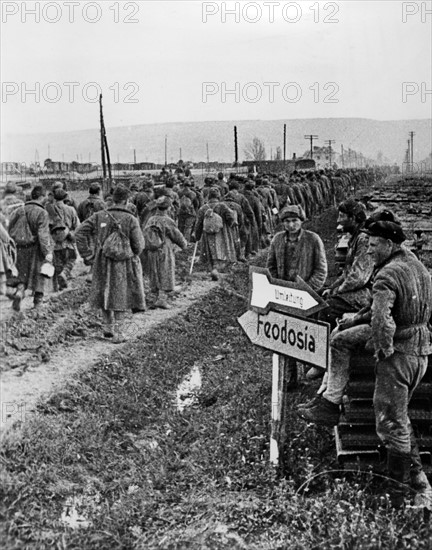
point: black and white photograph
(216, 275)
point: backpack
(20, 231)
(117, 245)
(186, 206)
(59, 230)
(212, 222)
(234, 211)
(59, 233)
(89, 209)
(154, 237)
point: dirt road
(42, 349)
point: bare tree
(278, 153)
(255, 150)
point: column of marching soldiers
(381, 302)
(231, 218)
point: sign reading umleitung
(279, 320)
(295, 337)
(294, 297)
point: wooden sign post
(278, 321)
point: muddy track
(46, 348)
(43, 348)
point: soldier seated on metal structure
(351, 292)
(396, 328)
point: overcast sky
(174, 59)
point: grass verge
(111, 463)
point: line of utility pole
(311, 137)
(329, 143)
(412, 134)
(102, 143)
(235, 147)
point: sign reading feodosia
(279, 318)
(296, 337)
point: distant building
(130, 166)
(10, 168)
(278, 166)
(57, 167)
(321, 156)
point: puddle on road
(187, 390)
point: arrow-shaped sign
(291, 297)
(301, 338)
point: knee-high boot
(399, 466)
(419, 480)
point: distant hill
(362, 135)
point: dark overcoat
(161, 263)
(116, 285)
(30, 258)
(218, 246)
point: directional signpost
(278, 321)
(300, 338)
(293, 297)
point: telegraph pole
(329, 143)
(104, 146)
(311, 137)
(235, 147)
(166, 145)
(412, 134)
(409, 156)
(284, 144)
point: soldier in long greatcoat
(160, 263)
(256, 229)
(117, 286)
(218, 248)
(63, 224)
(31, 256)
